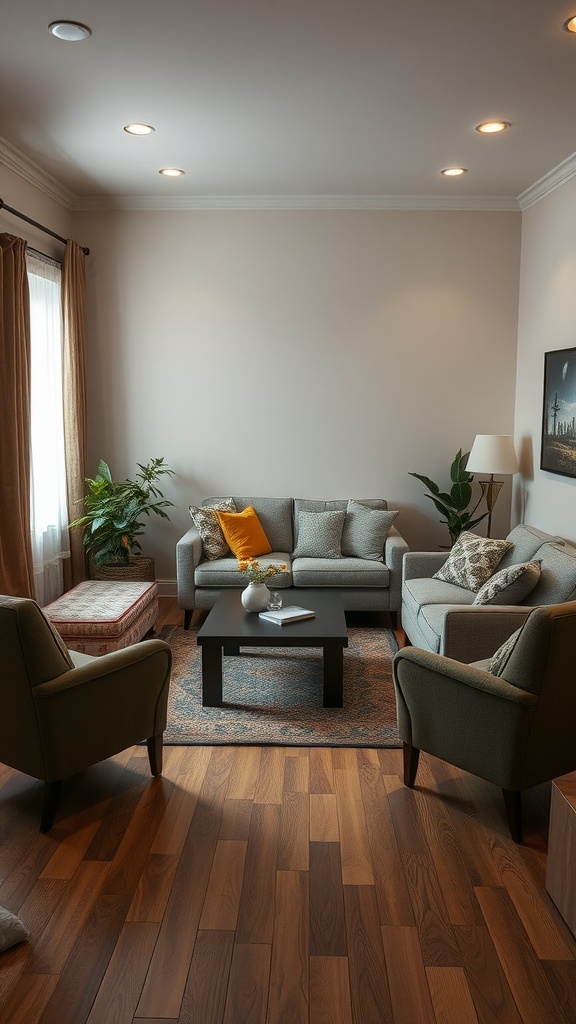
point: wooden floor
(278, 885)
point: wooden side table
(560, 868)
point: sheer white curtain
(48, 511)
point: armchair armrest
(422, 564)
(474, 632)
(394, 550)
(188, 556)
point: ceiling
(290, 98)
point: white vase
(255, 598)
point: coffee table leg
(211, 675)
(333, 676)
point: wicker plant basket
(140, 567)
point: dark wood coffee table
(228, 628)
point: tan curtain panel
(75, 415)
(16, 568)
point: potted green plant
(113, 520)
(453, 505)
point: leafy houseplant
(114, 511)
(454, 505)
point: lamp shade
(493, 453)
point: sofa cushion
(214, 544)
(365, 531)
(557, 581)
(275, 515)
(224, 572)
(525, 541)
(333, 505)
(510, 585)
(344, 572)
(319, 535)
(472, 560)
(419, 592)
(244, 533)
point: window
(48, 511)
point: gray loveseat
(366, 584)
(441, 617)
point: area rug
(274, 695)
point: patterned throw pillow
(500, 659)
(510, 585)
(365, 531)
(214, 544)
(12, 930)
(319, 535)
(472, 560)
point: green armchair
(62, 711)
(515, 729)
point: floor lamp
(492, 453)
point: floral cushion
(472, 561)
(214, 543)
(500, 659)
(510, 585)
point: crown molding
(314, 202)
(31, 172)
(549, 183)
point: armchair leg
(155, 749)
(187, 618)
(51, 797)
(411, 758)
(513, 805)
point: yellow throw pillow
(244, 533)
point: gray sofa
(366, 584)
(441, 617)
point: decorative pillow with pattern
(214, 544)
(472, 560)
(510, 585)
(319, 535)
(365, 531)
(499, 660)
(12, 930)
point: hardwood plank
(370, 995)
(28, 999)
(411, 1003)
(330, 1001)
(220, 910)
(244, 781)
(53, 947)
(236, 817)
(526, 977)
(327, 927)
(269, 789)
(247, 994)
(121, 985)
(205, 994)
(70, 853)
(171, 834)
(256, 910)
(321, 770)
(289, 968)
(439, 946)
(491, 995)
(294, 832)
(394, 904)
(561, 975)
(324, 818)
(296, 770)
(451, 998)
(154, 888)
(355, 848)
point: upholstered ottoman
(96, 617)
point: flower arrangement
(256, 573)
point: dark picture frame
(558, 448)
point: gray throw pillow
(365, 531)
(319, 535)
(471, 561)
(214, 544)
(500, 659)
(510, 585)
(12, 930)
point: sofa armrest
(188, 556)
(395, 549)
(422, 564)
(475, 632)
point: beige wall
(307, 353)
(24, 196)
(547, 321)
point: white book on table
(282, 616)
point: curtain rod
(47, 231)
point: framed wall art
(558, 450)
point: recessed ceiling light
(69, 31)
(171, 172)
(453, 172)
(139, 129)
(570, 25)
(490, 127)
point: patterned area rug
(274, 695)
